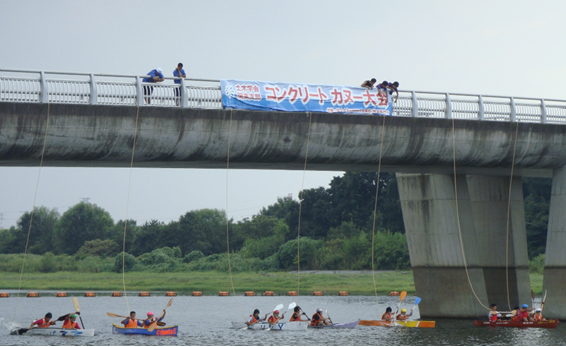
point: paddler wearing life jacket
(132, 322)
(403, 315)
(318, 320)
(70, 322)
(151, 319)
(297, 313)
(537, 316)
(43, 322)
(388, 315)
(274, 318)
(494, 315)
(522, 314)
(254, 318)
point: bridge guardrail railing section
(122, 90)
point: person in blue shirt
(156, 75)
(178, 72)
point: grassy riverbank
(355, 283)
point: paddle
(401, 298)
(114, 315)
(330, 319)
(78, 309)
(417, 302)
(291, 306)
(154, 324)
(543, 300)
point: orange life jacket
(43, 323)
(537, 317)
(273, 320)
(314, 322)
(254, 320)
(400, 316)
(295, 318)
(386, 316)
(69, 324)
(132, 323)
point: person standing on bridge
(155, 75)
(393, 88)
(178, 72)
(368, 83)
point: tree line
(335, 227)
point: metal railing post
(184, 98)
(139, 92)
(43, 92)
(93, 91)
(415, 109)
(543, 111)
(448, 106)
(481, 110)
(513, 115)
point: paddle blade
(278, 307)
(417, 301)
(115, 315)
(291, 306)
(169, 303)
(76, 303)
(402, 296)
(533, 295)
(152, 327)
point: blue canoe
(159, 331)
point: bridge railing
(105, 89)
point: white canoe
(266, 326)
(60, 332)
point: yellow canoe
(408, 324)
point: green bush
(287, 256)
(537, 264)
(128, 261)
(194, 255)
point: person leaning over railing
(156, 75)
(178, 72)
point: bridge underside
(461, 256)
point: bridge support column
(431, 225)
(555, 259)
(490, 198)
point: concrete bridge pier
(431, 225)
(555, 259)
(502, 258)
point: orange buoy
(4, 295)
(116, 294)
(61, 294)
(317, 293)
(90, 294)
(32, 295)
(291, 293)
(394, 294)
(221, 293)
(170, 294)
(197, 294)
(143, 294)
(269, 293)
(249, 294)
(343, 293)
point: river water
(206, 321)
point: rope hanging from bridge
(128, 208)
(32, 210)
(301, 198)
(375, 213)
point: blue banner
(254, 95)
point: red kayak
(552, 323)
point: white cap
(538, 309)
(318, 310)
(159, 70)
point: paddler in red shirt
(43, 322)
(273, 319)
(522, 314)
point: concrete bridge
(461, 247)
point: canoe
(350, 325)
(407, 324)
(54, 332)
(279, 326)
(159, 331)
(552, 323)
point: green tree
(127, 259)
(117, 234)
(102, 248)
(203, 230)
(288, 257)
(285, 209)
(42, 221)
(82, 222)
(536, 192)
(147, 238)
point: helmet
(524, 306)
(403, 310)
(538, 309)
(150, 313)
(48, 315)
(74, 316)
(276, 312)
(318, 310)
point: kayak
(552, 323)
(350, 325)
(159, 331)
(279, 326)
(408, 324)
(54, 332)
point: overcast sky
(509, 48)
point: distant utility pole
(85, 200)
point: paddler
(274, 318)
(151, 319)
(70, 322)
(522, 314)
(318, 320)
(297, 313)
(537, 316)
(388, 315)
(403, 315)
(494, 315)
(132, 322)
(254, 318)
(43, 322)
